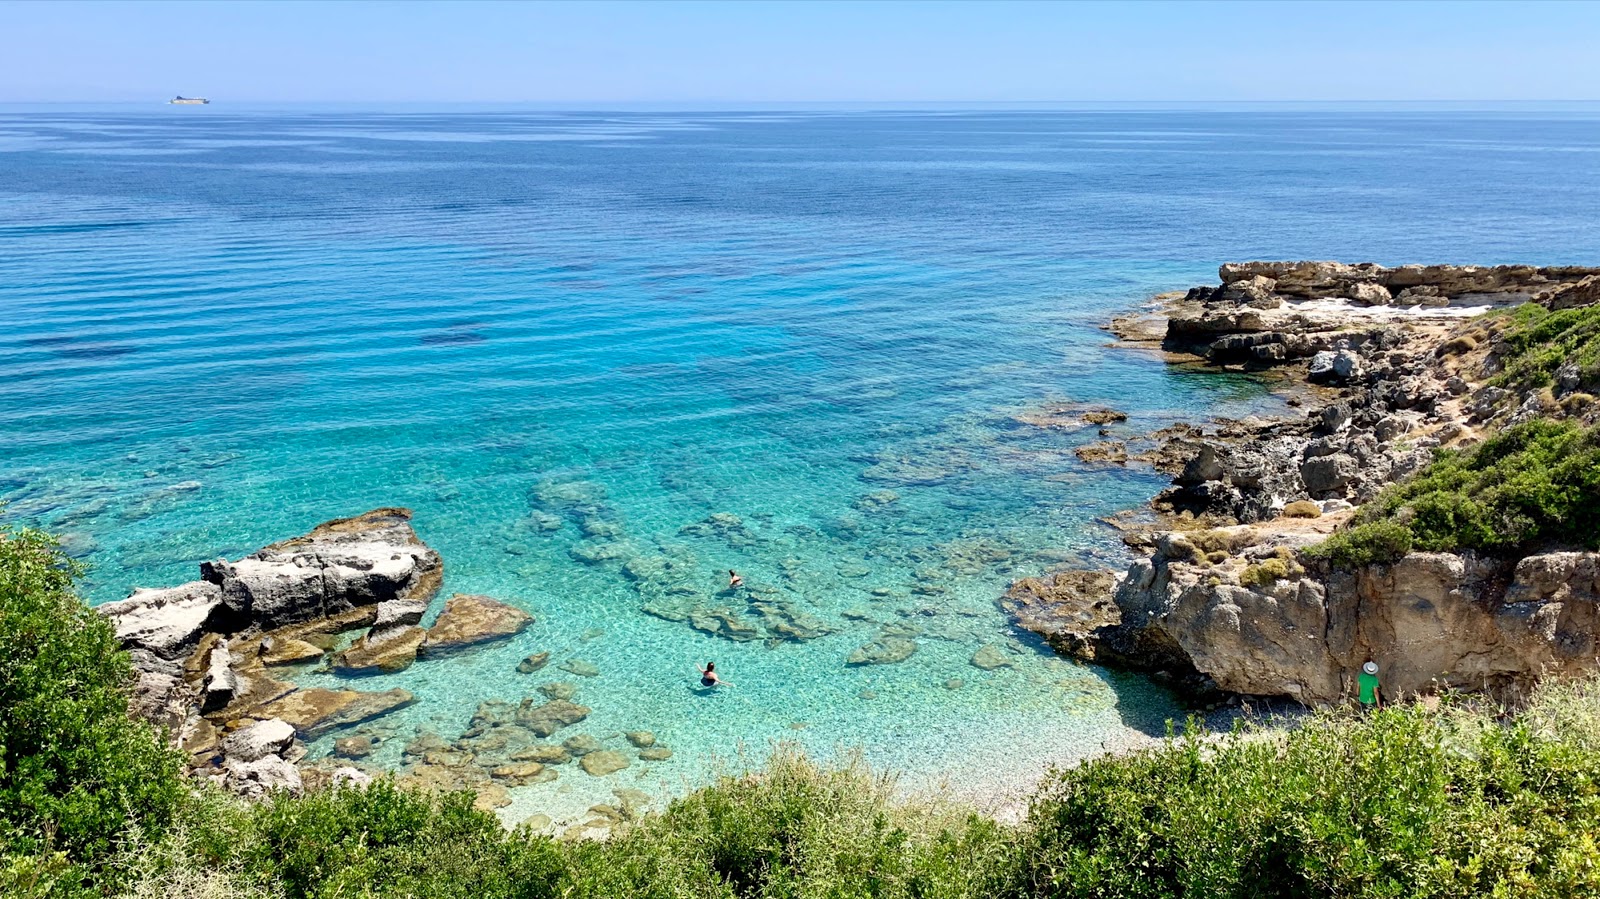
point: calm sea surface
(569, 340)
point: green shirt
(1367, 686)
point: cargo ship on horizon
(181, 100)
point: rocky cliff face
(1225, 600)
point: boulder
(533, 663)
(655, 754)
(259, 740)
(543, 754)
(1365, 293)
(885, 650)
(317, 711)
(288, 651)
(544, 720)
(580, 668)
(1327, 474)
(353, 747)
(558, 690)
(169, 622)
(581, 745)
(603, 762)
(262, 777)
(381, 652)
(341, 564)
(220, 684)
(468, 621)
(642, 739)
(991, 657)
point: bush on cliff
(76, 774)
(1540, 343)
(1404, 802)
(1530, 486)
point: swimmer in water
(708, 676)
(734, 580)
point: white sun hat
(1370, 668)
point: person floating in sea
(708, 676)
(1367, 686)
(734, 580)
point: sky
(722, 53)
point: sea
(606, 357)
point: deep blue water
(219, 329)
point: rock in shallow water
(883, 651)
(318, 711)
(469, 620)
(393, 650)
(603, 762)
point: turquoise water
(219, 329)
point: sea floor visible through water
(606, 358)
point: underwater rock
(886, 650)
(317, 711)
(991, 657)
(518, 773)
(558, 690)
(395, 650)
(543, 754)
(642, 739)
(655, 754)
(533, 663)
(595, 552)
(723, 623)
(783, 622)
(581, 745)
(544, 720)
(580, 668)
(469, 620)
(353, 747)
(603, 762)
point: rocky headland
(1233, 591)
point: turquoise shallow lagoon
(795, 345)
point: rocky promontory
(210, 654)
(1386, 366)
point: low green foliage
(75, 772)
(1540, 342)
(1529, 486)
(1403, 803)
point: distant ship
(181, 100)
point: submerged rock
(468, 621)
(655, 754)
(394, 650)
(533, 663)
(603, 762)
(885, 650)
(317, 711)
(544, 720)
(580, 668)
(991, 657)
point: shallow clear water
(217, 330)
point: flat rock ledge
(1385, 365)
(209, 653)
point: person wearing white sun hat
(1367, 686)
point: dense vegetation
(1532, 485)
(1404, 802)
(1540, 343)
(75, 771)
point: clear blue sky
(734, 52)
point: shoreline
(1225, 601)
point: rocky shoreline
(1385, 366)
(215, 658)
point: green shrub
(1374, 542)
(383, 841)
(1532, 485)
(1398, 804)
(1539, 342)
(1304, 508)
(1266, 573)
(795, 829)
(76, 774)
